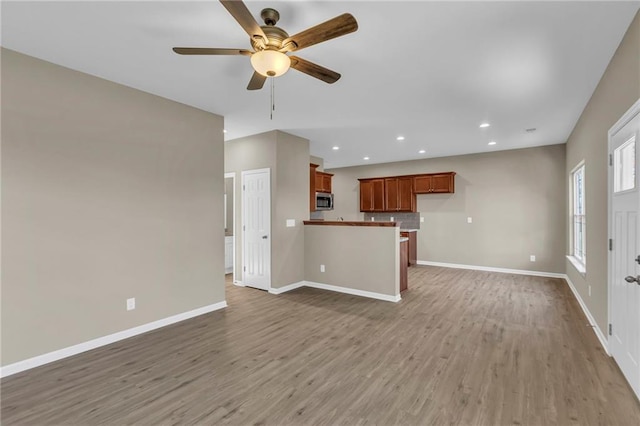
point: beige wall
(617, 91)
(292, 202)
(287, 157)
(107, 193)
(229, 190)
(355, 257)
(317, 160)
(515, 198)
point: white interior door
(256, 227)
(624, 267)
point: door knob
(631, 279)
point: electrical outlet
(532, 258)
(391, 218)
(372, 219)
(131, 304)
(321, 268)
(421, 219)
(291, 223)
(469, 220)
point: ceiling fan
(271, 44)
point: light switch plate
(469, 220)
(421, 219)
(131, 304)
(291, 223)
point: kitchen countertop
(403, 239)
(409, 230)
(349, 223)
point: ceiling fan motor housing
(275, 35)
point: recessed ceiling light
(400, 138)
(224, 131)
(335, 148)
(422, 151)
(365, 158)
(484, 125)
(492, 143)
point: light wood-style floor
(462, 347)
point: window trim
(579, 262)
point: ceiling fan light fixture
(270, 63)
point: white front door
(256, 229)
(624, 261)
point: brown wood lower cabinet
(413, 246)
(404, 261)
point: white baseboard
(492, 269)
(337, 289)
(601, 337)
(286, 288)
(238, 283)
(592, 321)
(353, 291)
(39, 360)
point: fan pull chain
(273, 96)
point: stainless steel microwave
(324, 201)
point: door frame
(244, 173)
(232, 175)
(623, 121)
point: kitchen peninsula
(361, 258)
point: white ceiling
(430, 71)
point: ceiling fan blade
(314, 70)
(210, 51)
(336, 27)
(241, 13)
(257, 81)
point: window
(624, 166)
(578, 219)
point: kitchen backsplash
(407, 220)
(317, 215)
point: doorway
(624, 254)
(256, 228)
(229, 224)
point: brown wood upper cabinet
(312, 187)
(372, 195)
(398, 194)
(442, 183)
(318, 182)
(323, 182)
